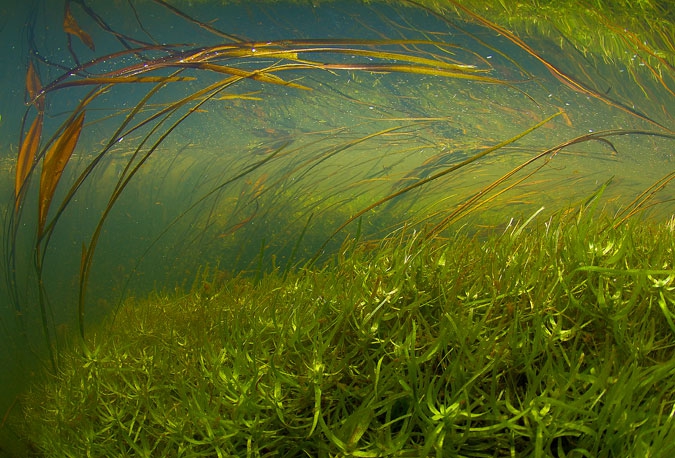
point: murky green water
(263, 175)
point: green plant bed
(550, 339)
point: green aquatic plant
(411, 338)
(180, 64)
(623, 30)
(551, 338)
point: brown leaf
(53, 165)
(71, 26)
(34, 88)
(26, 156)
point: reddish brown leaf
(34, 88)
(53, 165)
(26, 156)
(71, 26)
(235, 227)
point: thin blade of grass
(26, 157)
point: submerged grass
(549, 339)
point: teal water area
(332, 121)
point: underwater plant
(526, 343)
(149, 152)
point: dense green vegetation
(461, 333)
(551, 338)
